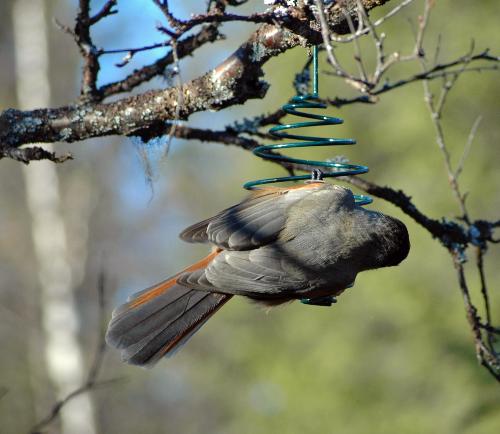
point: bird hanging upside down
(306, 243)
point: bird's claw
(326, 300)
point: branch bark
(234, 81)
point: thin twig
(165, 9)
(88, 51)
(106, 10)
(467, 147)
(488, 359)
(485, 353)
(185, 47)
(432, 74)
(91, 382)
(357, 48)
(325, 33)
(485, 295)
(364, 30)
(180, 95)
(436, 110)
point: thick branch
(233, 82)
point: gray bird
(306, 242)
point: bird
(280, 244)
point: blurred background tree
(395, 354)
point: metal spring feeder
(332, 169)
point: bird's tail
(157, 321)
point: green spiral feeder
(331, 169)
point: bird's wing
(263, 272)
(253, 222)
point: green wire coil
(333, 169)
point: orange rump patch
(162, 287)
(202, 263)
(262, 191)
(309, 185)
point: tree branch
(234, 81)
(87, 48)
(185, 47)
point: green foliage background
(393, 355)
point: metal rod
(315, 71)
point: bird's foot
(326, 300)
(316, 176)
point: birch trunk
(63, 355)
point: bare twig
(325, 33)
(185, 47)
(486, 354)
(92, 382)
(357, 48)
(486, 298)
(88, 50)
(368, 84)
(180, 95)
(467, 147)
(436, 110)
(489, 359)
(165, 9)
(432, 73)
(106, 10)
(362, 30)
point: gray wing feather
(249, 224)
(196, 280)
(252, 223)
(196, 233)
(259, 272)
